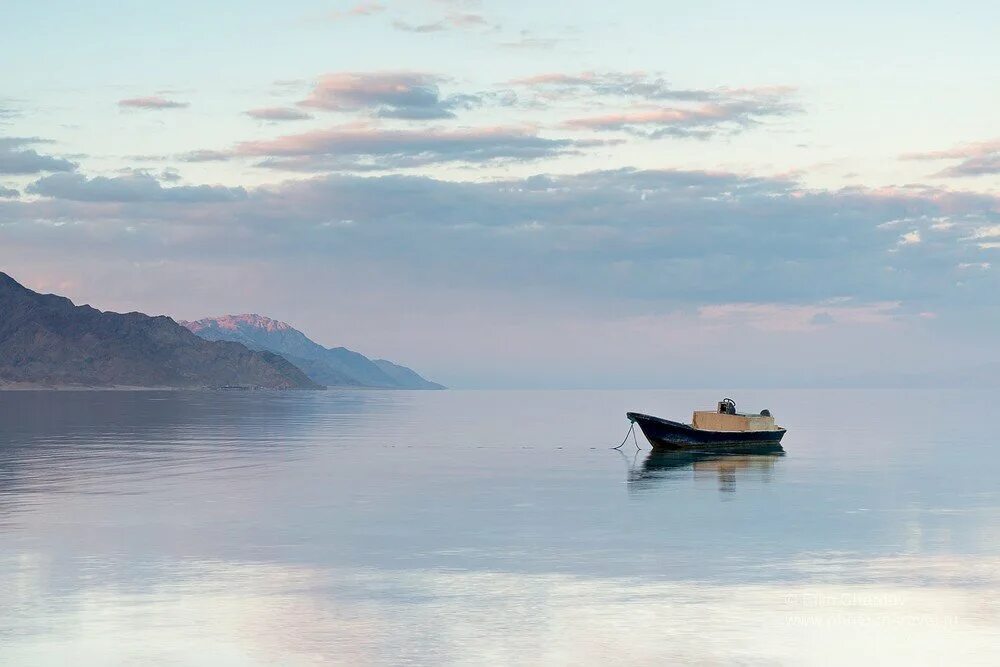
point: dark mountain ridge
(46, 340)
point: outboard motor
(727, 406)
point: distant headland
(47, 342)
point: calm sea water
(365, 527)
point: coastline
(27, 386)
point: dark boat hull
(664, 434)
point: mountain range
(333, 367)
(48, 341)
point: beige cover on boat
(709, 420)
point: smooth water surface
(369, 527)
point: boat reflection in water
(756, 464)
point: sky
(513, 194)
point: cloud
(405, 95)
(16, 159)
(643, 105)
(660, 236)
(129, 189)
(358, 146)
(151, 102)
(529, 40)
(701, 121)
(9, 193)
(653, 108)
(360, 10)
(986, 237)
(205, 156)
(987, 232)
(640, 85)
(821, 319)
(452, 21)
(975, 159)
(278, 114)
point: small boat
(724, 429)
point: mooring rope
(631, 431)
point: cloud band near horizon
(667, 236)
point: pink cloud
(663, 116)
(975, 159)
(409, 95)
(362, 145)
(341, 91)
(367, 8)
(975, 149)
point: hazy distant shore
(71, 387)
(28, 386)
